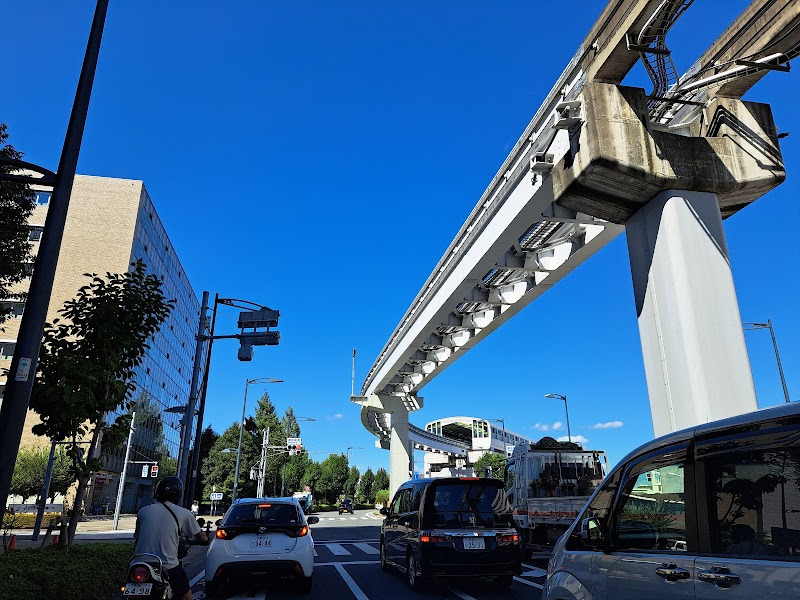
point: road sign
(145, 470)
(154, 471)
(294, 441)
(215, 496)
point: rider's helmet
(169, 489)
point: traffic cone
(55, 540)
(12, 544)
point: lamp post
(347, 452)
(564, 398)
(768, 325)
(241, 428)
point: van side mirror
(218, 522)
(312, 520)
(201, 521)
(384, 511)
(592, 534)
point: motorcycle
(147, 577)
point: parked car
(707, 512)
(261, 538)
(450, 527)
(346, 505)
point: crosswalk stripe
(315, 552)
(530, 583)
(367, 549)
(337, 549)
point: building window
(16, 309)
(43, 198)
(35, 233)
(7, 350)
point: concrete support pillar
(693, 345)
(401, 454)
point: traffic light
(294, 445)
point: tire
(305, 584)
(212, 589)
(384, 563)
(415, 582)
(504, 582)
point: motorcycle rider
(158, 527)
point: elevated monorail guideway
(595, 159)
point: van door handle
(721, 577)
(671, 572)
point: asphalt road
(346, 566)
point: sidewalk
(96, 529)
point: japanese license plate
(260, 541)
(138, 589)
(475, 543)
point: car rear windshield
(468, 504)
(263, 514)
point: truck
(306, 500)
(547, 485)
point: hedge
(84, 572)
(26, 520)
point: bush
(84, 572)
(382, 497)
(26, 520)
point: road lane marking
(350, 583)
(197, 578)
(337, 549)
(315, 552)
(461, 595)
(347, 563)
(530, 583)
(324, 542)
(367, 549)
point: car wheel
(504, 581)
(305, 584)
(384, 563)
(212, 589)
(415, 580)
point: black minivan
(453, 526)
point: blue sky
(319, 157)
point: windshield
(468, 504)
(263, 514)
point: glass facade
(162, 380)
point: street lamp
(768, 325)
(564, 398)
(247, 383)
(347, 452)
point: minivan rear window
(467, 504)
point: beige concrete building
(111, 223)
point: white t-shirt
(157, 533)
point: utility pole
(121, 489)
(262, 465)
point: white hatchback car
(261, 538)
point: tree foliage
(364, 493)
(493, 460)
(219, 467)
(333, 476)
(87, 363)
(381, 480)
(352, 482)
(208, 438)
(30, 468)
(17, 202)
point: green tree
(364, 490)
(87, 364)
(208, 438)
(266, 416)
(17, 202)
(334, 475)
(219, 467)
(495, 460)
(295, 470)
(351, 482)
(382, 497)
(311, 477)
(29, 472)
(381, 480)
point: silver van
(708, 512)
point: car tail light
(513, 538)
(225, 534)
(139, 574)
(302, 531)
(433, 539)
